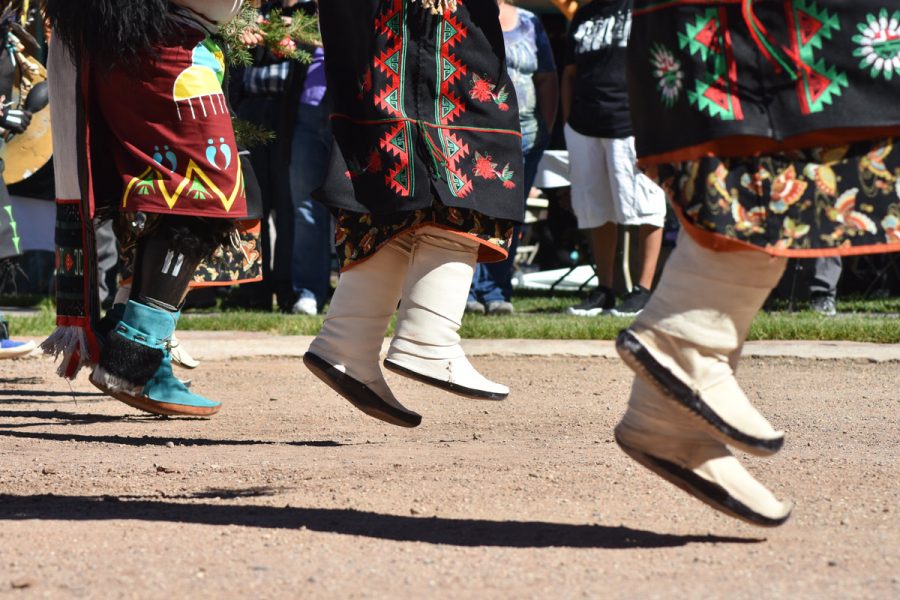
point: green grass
(542, 317)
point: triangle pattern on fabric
(447, 69)
(808, 26)
(392, 62)
(448, 32)
(818, 85)
(394, 24)
(716, 94)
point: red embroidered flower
(484, 166)
(503, 106)
(375, 164)
(509, 184)
(482, 90)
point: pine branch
(249, 135)
(281, 36)
(237, 52)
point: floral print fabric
(231, 264)
(359, 235)
(823, 201)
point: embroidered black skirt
(425, 120)
(771, 124)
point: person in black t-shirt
(607, 188)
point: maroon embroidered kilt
(161, 135)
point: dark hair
(109, 31)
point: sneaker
(601, 300)
(11, 349)
(824, 305)
(305, 306)
(500, 307)
(474, 307)
(633, 303)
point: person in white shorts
(608, 190)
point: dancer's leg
(688, 339)
(426, 343)
(686, 404)
(345, 353)
(136, 363)
(668, 442)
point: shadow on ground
(148, 440)
(435, 530)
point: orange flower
(786, 190)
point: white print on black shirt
(603, 32)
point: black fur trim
(107, 31)
(129, 360)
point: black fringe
(109, 31)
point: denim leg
(311, 271)
(483, 289)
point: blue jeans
(311, 149)
(493, 281)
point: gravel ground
(290, 492)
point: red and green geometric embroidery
(818, 83)
(451, 150)
(455, 151)
(702, 36)
(396, 143)
(389, 62)
(715, 91)
(390, 27)
(878, 44)
(399, 179)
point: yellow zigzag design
(192, 170)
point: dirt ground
(290, 492)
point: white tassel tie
(68, 341)
(437, 7)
